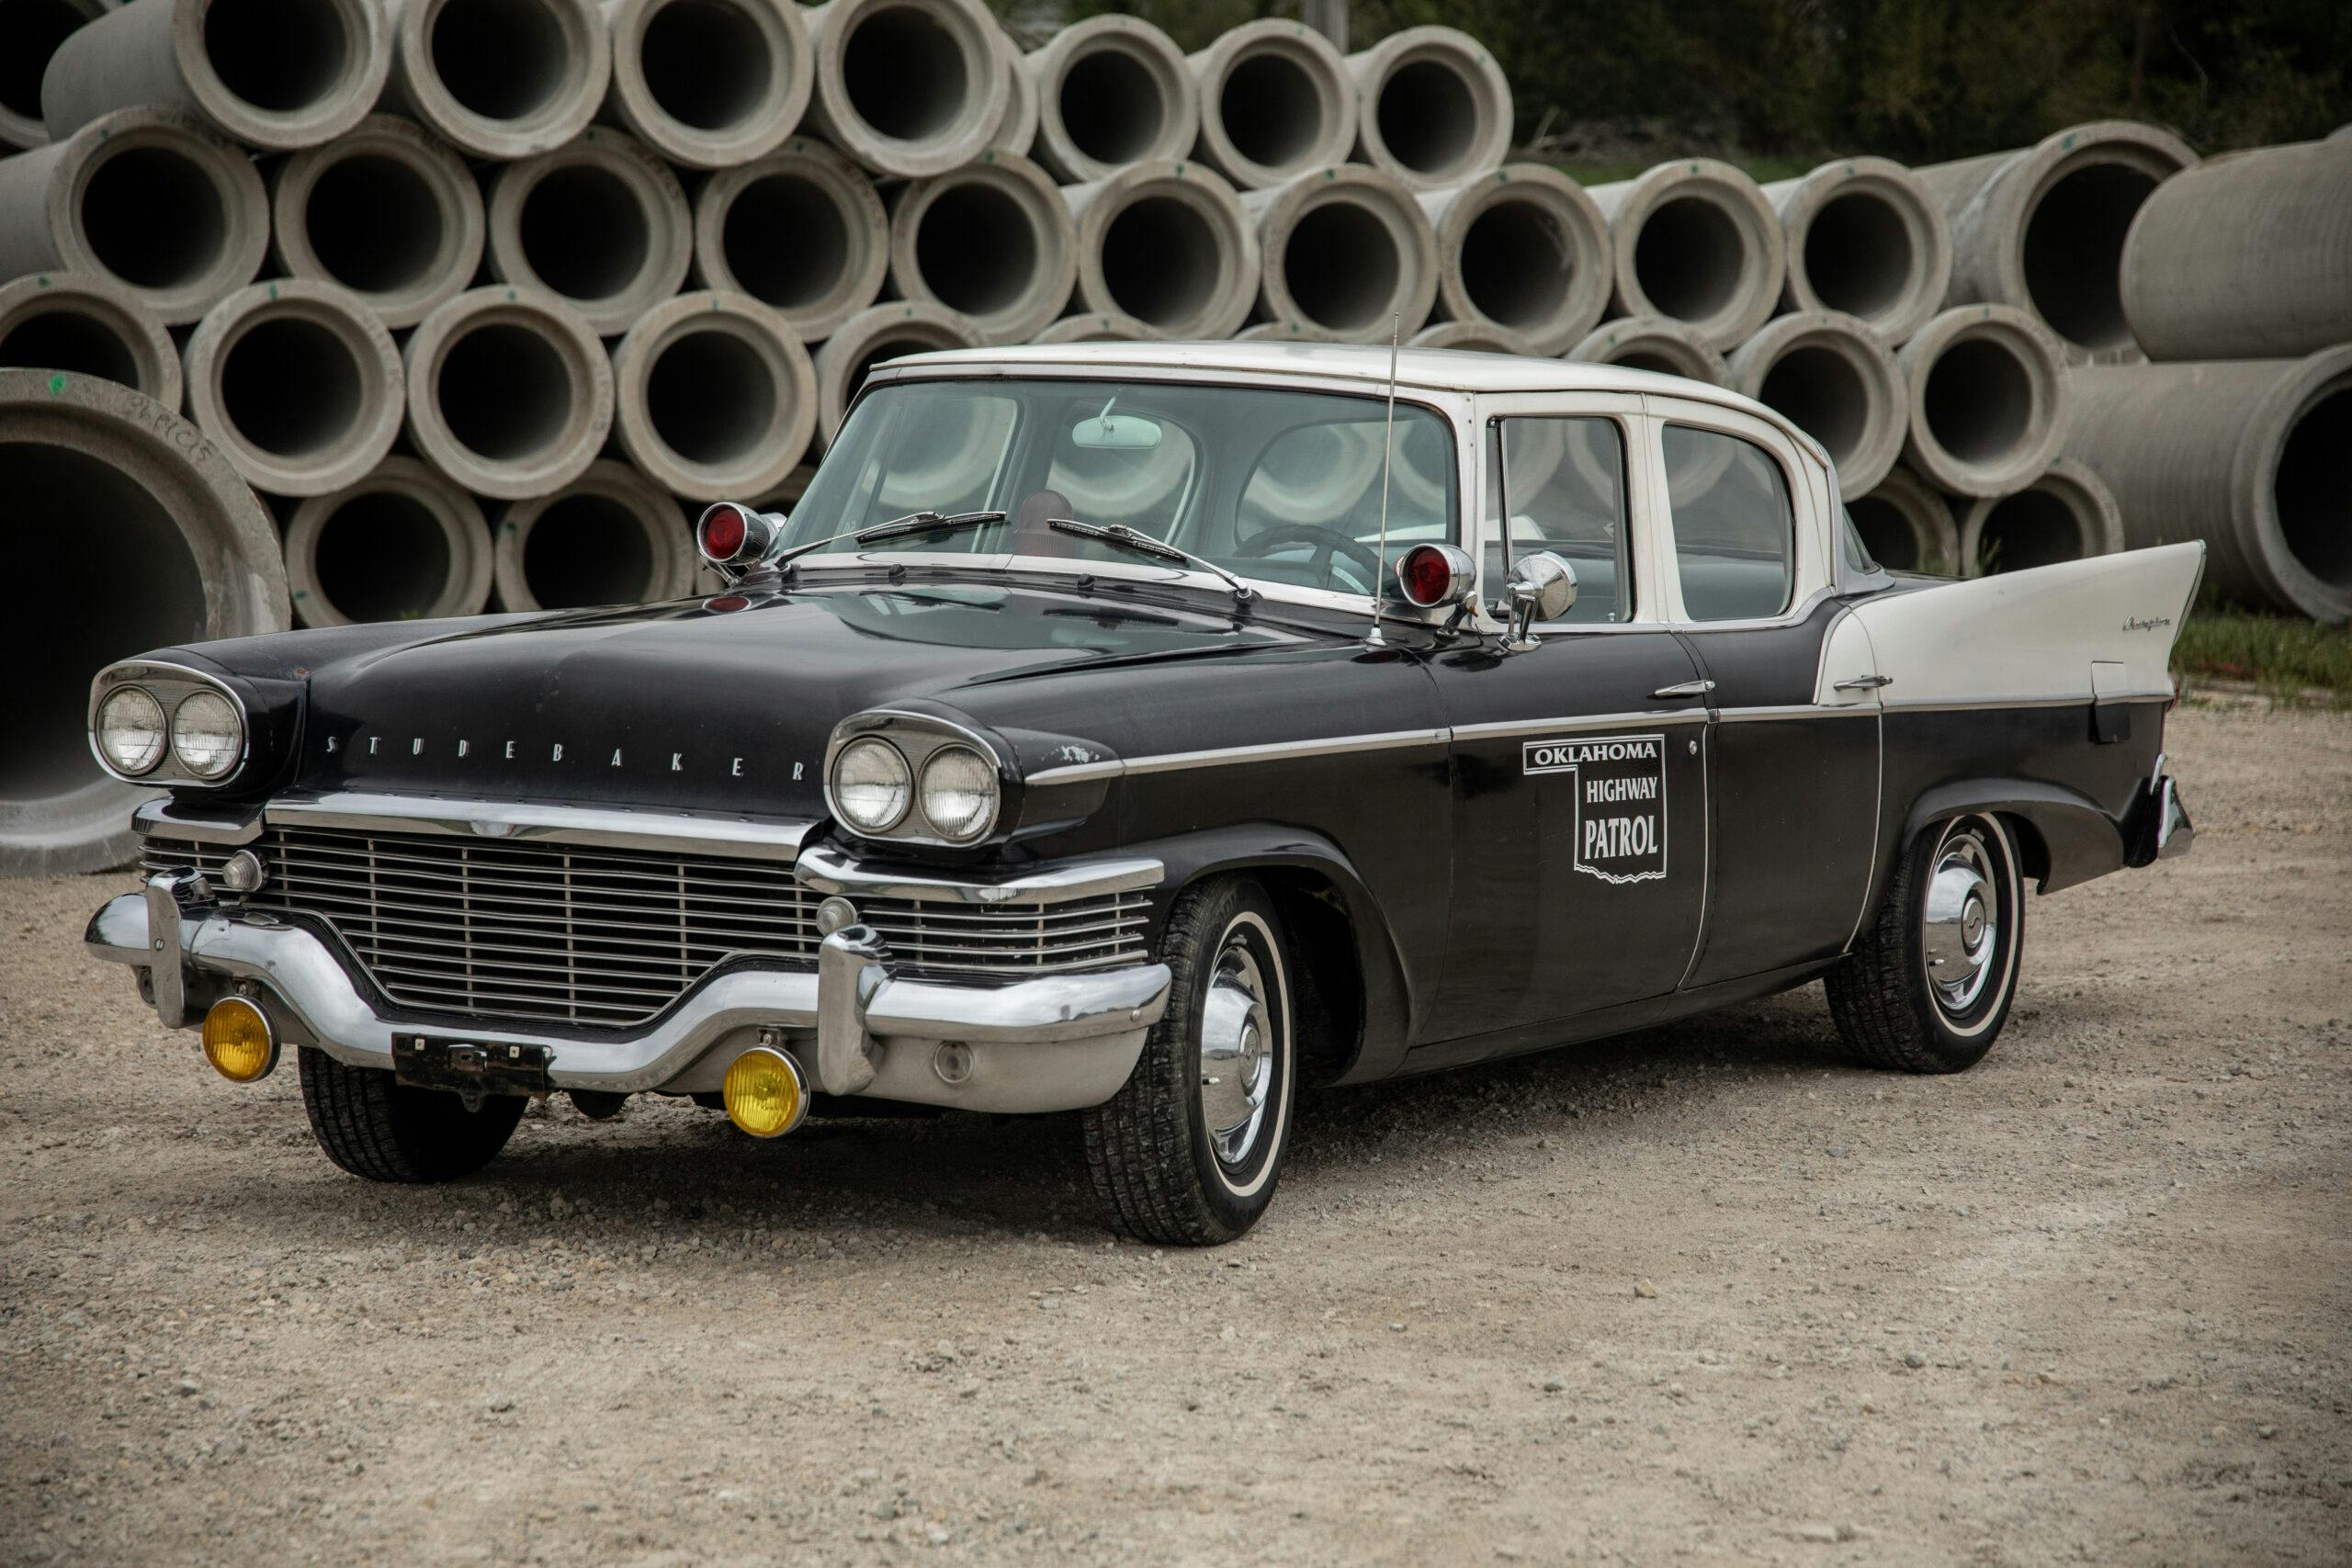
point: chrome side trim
(605, 827)
(1971, 705)
(1796, 710)
(828, 869)
(1279, 751)
(157, 817)
(1577, 724)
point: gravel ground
(1702, 1292)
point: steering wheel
(1326, 543)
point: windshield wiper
(913, 522)
(1128, 538)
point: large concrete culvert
(873, 335)
(1098, 326)
(65, 321)
(1017, 130)
(1168, 243)
(509, 392)
(385, 210)
(602, 225)
(1276, 99)
(1471, 337)
(95, 472)
(1837, 382)
(30, 33)
(402, 543)
(148, 198)
(2043, 228)
(298, 384)
(1988, 405)
(2246, 455)
(1112, 90)
(1432, 108)
(906, 88)
(499, 78)
(1695, 242)
(1346, 249)
(1906, 525)
(1865, 238)
(1522, 252)
(714, 398)
(607, 538)
(2065, 514)
(277, 74)
(1657, 344)
(801, 231)
(992, 240)
(2245, 256)
(709, 83)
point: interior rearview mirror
(1542, 587)
(1115, 433)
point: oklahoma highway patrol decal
(1620, 783)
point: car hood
(716, 704)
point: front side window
(1280, 486)
(1564, 481)
(1734, 534)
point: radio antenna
(1388, 444)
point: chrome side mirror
(1542, 587)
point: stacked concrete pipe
(81, 324)
(906, 88)
(1987, 405)
(30, 34)
(2245, 256)
(1112, 90)
(2043, 228)
(298, 383)
(384, 210)
(1017, 131)
(2067, 513)
(147, 199)
(1103, 326)
(1432, 108)
(992, 240)
(600, 223)
(1276, 99)
(1863, 237)
(95, 471)
(275, 74)
(1831, 374)
(713, 395)
(1522, 255)
(1695, 242)
(1472, 337)
(607, 537)
(1653, 344)
(873, 335)
(801, 231)
(1347, 251)
(1168, 243)
(499, 78)
(400, 544)
(709, 84)
(2246, 455)
(1906, 526)
(509, 392)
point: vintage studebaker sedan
(1144, 731)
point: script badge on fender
(1620, 784)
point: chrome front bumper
(1057, 1043)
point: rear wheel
(1189, 1151)
(1929, 984)
(374, 1126)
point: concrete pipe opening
(1838, 383)
(977, 249)
(1429, 118)
(382, 557)
(714, 396)
(709, 83)
(1271, 112)
(710, 397)
(2074, 253)
(800, 230)
(300, 386)
(503, 59)
(375, 223)
(1432, 107)
(73, 322)
(505, 391)
(875, 334)
(154, 217)
(707, 63)
(1979, 402)
(1112, 107)
(904, 75)
(601, 224)
(386, 212)
(282, 56)
(787, 277)
(30, 31)
(993, 241)
(2031, 528)
(584, 232)
(1893, 537)
(291, 387)
(1656, 345)
(2313, 490)
(1988, 409)
(1161, 259)
(1341, 265)
(69, 339)
(1689, 258)
(586, 550)
(1857, 255)
(1345, 250)
(1518, 268)
(1824, 393)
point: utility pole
(1329, 17)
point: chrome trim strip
(1279, 751)
(1706, 860)
(828, 869)
(1076, 772)
(156, 818)
(1797, 710)
(1971, 705)
(1509, 727)
(507, 821)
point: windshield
(1282, 487)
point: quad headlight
(165, 724)
(872, 785)
(207, 735)
(915, 780)
(130, 730)
(959, 793)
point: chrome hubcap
(1237, 1056)
(1962, 930)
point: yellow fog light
(237, 1040)
(764, 1093)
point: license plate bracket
(469, 1067)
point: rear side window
(1734, 534)
(1564, 481)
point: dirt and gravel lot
(1704, 1292)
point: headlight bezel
(170, 686)
(918, 739)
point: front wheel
(1189, 1150)
(373, 1125)
(1928, 986)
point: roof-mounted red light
(733, 535)
(1434, 575)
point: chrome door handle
(1685, 689)
(1864, 683)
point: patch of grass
(2290, 659)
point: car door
(1793, 761)
(1579, 805)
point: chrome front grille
(609, 938)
